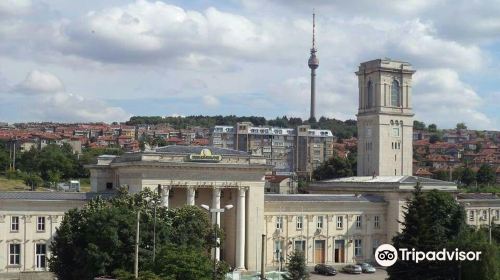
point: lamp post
(489, 223)
(214, 212)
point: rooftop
(322, 198)
(478, 196)
(387, 179)
(52, 196)
(175, 149)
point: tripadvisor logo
(387, 255)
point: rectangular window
(471, 216)
(376, 222)
(278, 249)
(41, 255)
(358, 250)
(14, 223)
(40, 224)
(300, 221)
(358, 221)
(279, 222)
(14, 254)
(485, 215)
(300, 245)
(340, 222)
(319, 222)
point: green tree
(99, 238)
(434, 138)
(467, 176)
(54, 159)
(461, 126)
(488, 266)
(431, 220)
(183, 263)
(33, 180)
(442, 175)
(485, 175)
(336, 167)
(4, 157)
(432, 127)
(296, 267)
(418, 125)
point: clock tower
(385, 118)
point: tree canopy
(485, 175)
(434, 221)
(336, 167)
(296, 267)
(99, 239)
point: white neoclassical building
(339, 221)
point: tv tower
(313, 64)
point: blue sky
(107, 60)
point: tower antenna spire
(313, 63)
(314, 31)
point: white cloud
(14, 7)
(40, 82)
(69, 107)
(156, 32)
(48, 100)
(210, 101)
(440, 97)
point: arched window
(395, 97)
(370, 95)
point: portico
(196, 176)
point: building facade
(28, 222)
(298, 150)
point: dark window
(109, 185)
(395, 96)
(370, 95)
(14, 254)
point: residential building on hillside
(298, 150)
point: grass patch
(12, 185)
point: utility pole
(215, 248)
(154, 236)
(14, 157)
(136, 263)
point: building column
(165, 194)
(240, 230)
(216, 192)
(190, 195)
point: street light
(214, 212)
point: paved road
(379, 275)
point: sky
(94, 60)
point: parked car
(352, 269)
(325, 269)
(367, 268)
